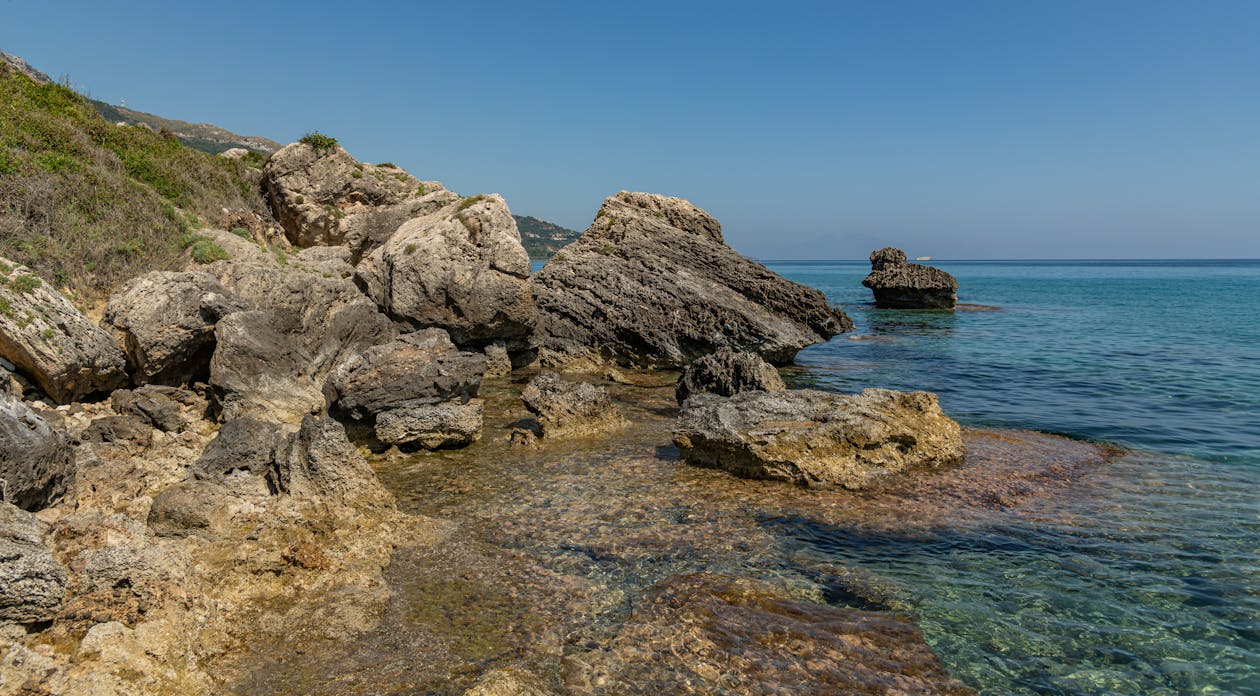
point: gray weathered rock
(420, 368)
(36, 460)
(44, 336)
(121, 430)
(900, 285)
(165, 322)
(566, 408)
(322, 463)
(727, 373)
(651, 283)
(244, 444)
(32, 582)
(329, 198)
(436, 426)
(461, 268)
(158, 405)
(272, 362)
(815, 438)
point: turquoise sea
(1145, 579)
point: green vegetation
(409, 249)
(25, 283)
(388, 165)
(87, 203)
(319, 142)
(356, 174)
(242, 233)
(470, 202)
(543, 239)
(202, 248)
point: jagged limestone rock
(900, 285)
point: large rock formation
(461, 268)
(325, 197)
(416, 391)
(651, 283)
(271, 361)
(815, 438)
(36, 459)
(565, 408)
(52, 342)
(900, 285)
(727, 373)
(32, 582)
(165, 322)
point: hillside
(543, 239)
(86, 203)
(206, 137)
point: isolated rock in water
(32, 582)
(727, 373)
(420, 368)
(461, 268)
(49, 340)
(165, 322)
(753, 637)
(815, 438)
(36, 460)
(564, 407)
(900, 285)
(326, 197)
(508, 681)
(436, 426)
(651, 283)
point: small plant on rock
(319, 142)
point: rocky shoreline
(217, 464)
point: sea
(1146, 578)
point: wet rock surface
(727, 373)
(51, 342)
(900, 285)
(566, 407)
(815, 438)
(652, 283)
(577, 562)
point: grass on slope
(88, 204)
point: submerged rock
(461, 268)
(435, 426)
(32, 582)
(900, 285)
(37, 463)
(727, 373)
(710, 633)
(814, 438)
(651, 283)
(49, 340)
(326, 197)
(566, 408)
(165, 322)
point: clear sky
(982, 129)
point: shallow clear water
(1147, 578)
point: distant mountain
(543, 239)
(199, 136)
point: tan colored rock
(50, 341)
(508, 681)
(461, 268)
(436, 426)
(329, 198)
(566, 408)
(818, 439)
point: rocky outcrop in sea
(900, 285)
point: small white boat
(923, 258)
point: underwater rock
(566, 408)
(727, 373)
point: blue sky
(1002, 129)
